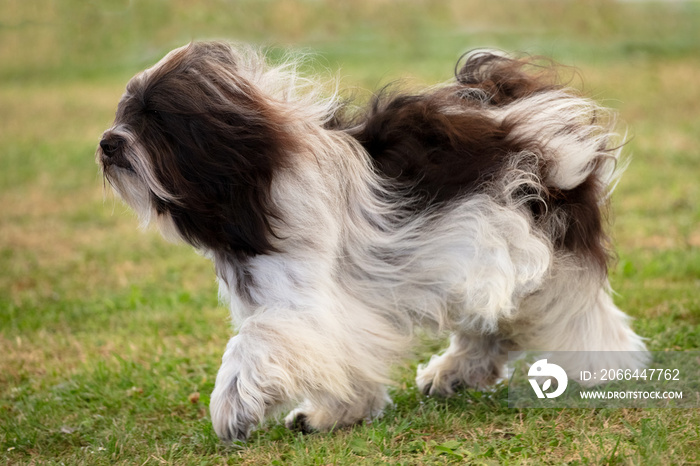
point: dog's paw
(307, 418)
(298, 421)
(432, 381)
(232, 419)
(444, 375)
(334, 414)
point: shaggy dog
(476, 206)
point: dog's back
(501, 118)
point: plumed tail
(569, 157)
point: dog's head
(194, 147)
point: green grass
(110, 338)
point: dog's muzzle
(113, 152)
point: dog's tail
(568, 144)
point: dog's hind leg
(500, 260)
(577, 318)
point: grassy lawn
(110, 338)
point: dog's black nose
(110, 146)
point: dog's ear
(219, 167)
(215, 144)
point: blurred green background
(107, 333)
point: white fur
(573, 131)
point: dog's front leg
(240, 398)
(265, 366)
(281, 356)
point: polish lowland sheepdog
(476, 206)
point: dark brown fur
(216, 156)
